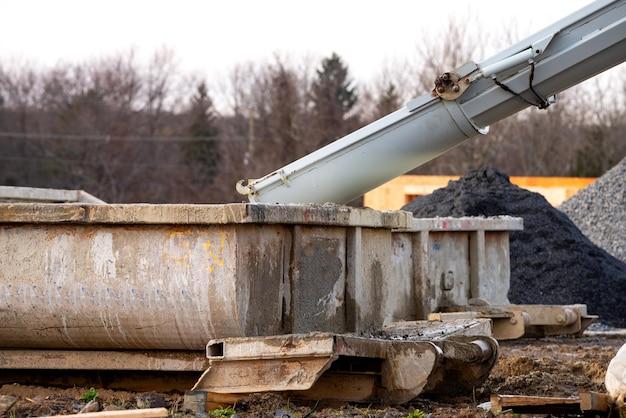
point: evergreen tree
(202, 114)
(283, 112)
(203, 152)
(333, 95)
(388, 101)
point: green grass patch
(224, 412)
(416, 413)
(90, 395)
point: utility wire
(92, 137)
(107, 163)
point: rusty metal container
(456, 261)
(87, 276)
(176, 276)
(432, 264)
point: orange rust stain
(178, 248)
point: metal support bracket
(511, 322)
(323, 366)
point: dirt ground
(550, 367)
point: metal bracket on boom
(451, 85)
(526, 55)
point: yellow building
(401, 190)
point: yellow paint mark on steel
(178, 248)
(215, 255)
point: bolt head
(456, 88)
(441, 89)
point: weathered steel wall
(137, 286)
(172, 277)
(177, 276)
(452, 260)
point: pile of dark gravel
(600, 211)
(552, 262)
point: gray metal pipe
(563, 54)
(346, 169)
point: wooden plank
(534, 404)
(130, 413)
(594, 402)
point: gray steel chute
(564, 54)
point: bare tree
(124, 130)
(158, 82)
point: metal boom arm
(463, 104)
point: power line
(94, 137)
(91, 163)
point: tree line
(128, 132)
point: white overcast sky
(210, 37)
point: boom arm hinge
(451, 85)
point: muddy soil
(550, 367)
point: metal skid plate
(343, 367)
(516, 321)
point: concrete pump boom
(462, 105)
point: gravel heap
(552, 262)
(600, 211)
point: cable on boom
(543, 103)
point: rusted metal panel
(516, 321)
(441, 270)
(448, 268)
(309, 366)
(262, 280)
(153, 287)
(454, 261)
(318, 279)
(35, 194)
(424, 291)
(176, 276)
(185, 214)
(265, 375)
(490, 266)
(435, 330)
(173, 276)
(494, 223)
(153, 360)
(375, 293)
(400, 302)
(40, 213)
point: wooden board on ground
(594, 402)
(130, 413)
(586, 402)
